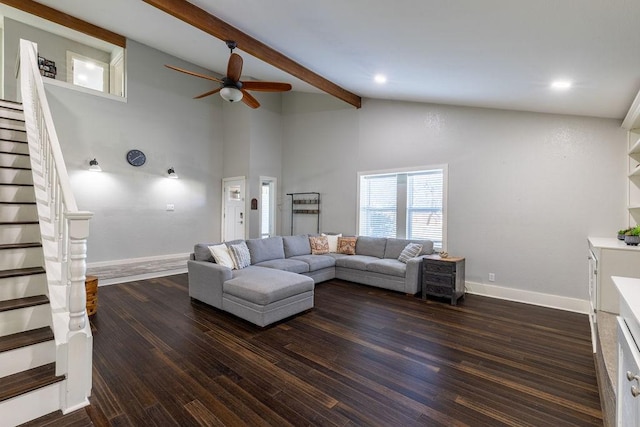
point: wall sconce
(94, 166)
(171, 173)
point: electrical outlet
(171, 207)
(492, 277)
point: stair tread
(11, 118)
(14, 154)
(16, 184)
(24, 382)
(17, 141)
(14, 304)
(25, 338)
(17, 272)
(21, 245)
(15, 167)
(17, 203)
(18, 222)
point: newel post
(78, 223)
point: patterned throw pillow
(319, 245)
(240, 255)
(410, 251)
(347, 245)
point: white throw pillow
(410, 251)
(221, 254)
(333, 241)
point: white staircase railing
(64, 232)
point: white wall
(160, 118)
(525, 189)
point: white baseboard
(145, 276)
(137, 260)
(529, 297)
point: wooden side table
(91, 287)
(443, 277)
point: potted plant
(632, 236)
(622, 232)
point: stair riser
(9, 104)
(19, 233)
(12, 213)
(21, 258)
(14, 160)
(15, 176)
(13, 135)
(17, 193)
(32, 405)
(24, 319)
(11, 114)
(11, 124)
(13, 147)
(21, 359)
(23, 286)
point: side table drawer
(439, 267)
(440, 279)
(445, 291)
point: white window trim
(60, 83)
(71, 55)
(445, 192)
(273, 183)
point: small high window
(87, 72)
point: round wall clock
(136, 158)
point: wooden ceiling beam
(61, 18)
(216, 27)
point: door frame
(273, 195)
(224, 204)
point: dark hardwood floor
(362, 356)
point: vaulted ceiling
(490, 53)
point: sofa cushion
(395, 247)
(317, 262)
(391, 267)
(265, 249)
(286, 264)
(296, 245)
(371, 246)
(201, 252)
(357, 262)
(265, 285)
(347, 245)
(319, 245)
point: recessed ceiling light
(380, 78)
(561, 84)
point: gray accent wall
(160, 118)
(525, 189)
(50, 46)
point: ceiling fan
(231, 88)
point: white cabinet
(609, 257)
(628, 392)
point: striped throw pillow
(410, 251)
(240, 255)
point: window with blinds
(403, 204)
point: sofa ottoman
(265, 295)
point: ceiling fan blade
(266, 86)
(211, 92)
(248, 99)
(234, 68)
(193, 73)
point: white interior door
(233, 205)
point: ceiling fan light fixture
(231, 94)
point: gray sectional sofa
(280, 280)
